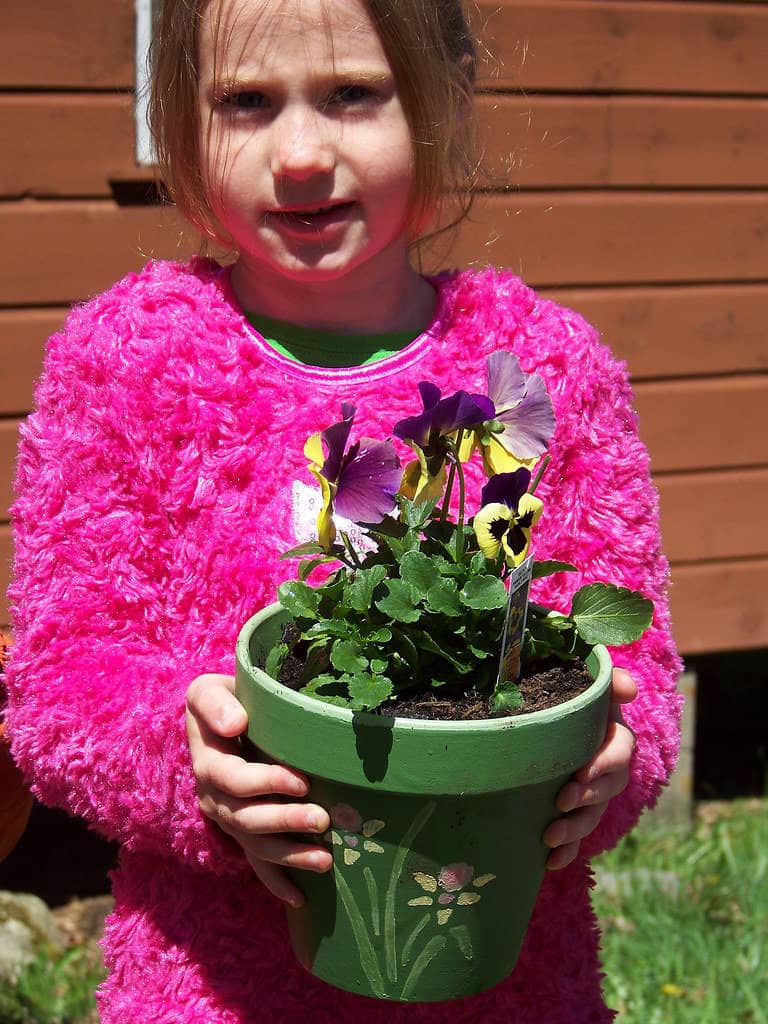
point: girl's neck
(400, 301)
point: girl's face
(307, 153)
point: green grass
(55, 991)
(684, 913)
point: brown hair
(432, 56)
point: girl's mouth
(311, 219)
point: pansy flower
(352, 834)
(428, 433)
(507, 514)
(455, 886)
(524, 419)
(358, 483)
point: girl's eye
(351, 94)
(245, 100)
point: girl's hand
(585, 797)
(246, 800)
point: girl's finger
(278, 883)
(229, 775)
(263, 818)
(288, 853)
(615, 753)
(575, 794)
(562, 856)
(574, 827)
(623, 686)
(211, 701)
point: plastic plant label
(514, 623)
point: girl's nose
(302, 146)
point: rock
(82, 920)
(27, 928)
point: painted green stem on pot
(368, 959)
(403, 850)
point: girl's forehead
(230, 26)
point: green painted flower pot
(436, 828)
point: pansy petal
(370, 847)
(496, 458)
(529, 509)
(335, 440)
(506, 381)
(466, 899)
(350, 856)
(421, 901)
(313, 450)
(528, 427)
(461, 410)
(482, 880)
(507, 488)
(443, 915)
(427, 882)
(490, 524)
(368, 483)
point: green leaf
(302, 550)
(310, 564)
(275, 660)
(368, 691)
(315, 688)
(419, 572)
(363, 585)
(347, 656)
(550, 566)
(328, 627)
(299, 599)
(606, 614)
(398, 604)
(378, 636)
(484, 593)
(506, 698)
(443, 598)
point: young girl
(318, 140)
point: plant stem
(539, 474)
(356, 563)
(462, 502)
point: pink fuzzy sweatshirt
(159, 480)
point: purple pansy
(359, 482)
(522, 405)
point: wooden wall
(626, 154)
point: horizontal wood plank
(673, 331)
(704, 424)
(68, 145)
(537, 141)
(78, 44)
(720, 606)
(23, 333)
(563, 239)
(714, 515)
(622, 141)
(598, 45)
(570, 45)
(81, 247)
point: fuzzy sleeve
(96, 683)
(602, 515)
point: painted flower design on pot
(352, 834)
(453, 887)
